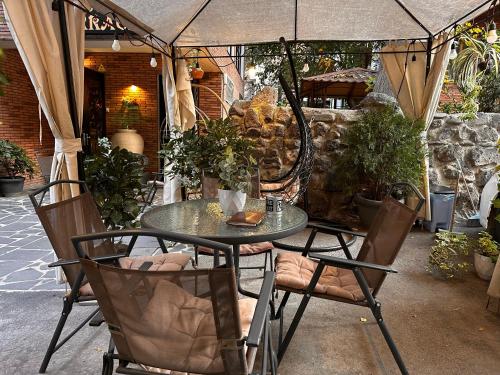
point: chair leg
(272, 354)
(107, 359)
(376, 309)
(196, 254)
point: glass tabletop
(201, 217)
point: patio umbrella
(36, 32)
(417, 86)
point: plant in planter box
(129, 116)
(445, 259)
(17, 164)
(382, 148)
(485, 255)
(114, 178)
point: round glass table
(200, 218)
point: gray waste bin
(442, 198)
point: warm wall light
(133, 88)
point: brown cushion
(162, 262)
(246, 249)
(295, 271)
(181, 327)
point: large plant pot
(129, 140)
(484, 266)
(231, 201)
(11, 185)
(367, 209)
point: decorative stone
(483, 176)
(319, 114)
(445, 153)
(253, 132)
(319, 128)
(238, 107)
(332, 144)
(292, 143)
(282, 116)
(346, 117)
(267, 132)
(378, 100)
(252, 119)
(268, 95)
(279, 130)
(453, 119)
(238, 121)
(482, 156)
(267, 112)
(485, 136)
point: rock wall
(275, 132)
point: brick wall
(228, 68)
(450, 94)
(122, 71)
(19, 120)
(208, 102)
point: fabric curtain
(180, 112)
(35, 29)
(417, 94)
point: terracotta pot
(197, 73)
(129, 140)
(11, 185)
(232, 201)
(367, 209)
(484, 266)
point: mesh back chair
(347, 280)
(209, 190)
(77, 216)
(187, 321)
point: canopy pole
(292, 67)
(58, 6)
(428, 57)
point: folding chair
(350, 281)
(188, 321)
(209, 190)
(77, 216)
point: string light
(251, 71)
(116, 43)
(492, 36)
(453, 52)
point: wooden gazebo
(349, 84)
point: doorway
(94, 111)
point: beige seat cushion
(163, 262)
(295, 271)
(178, 331)
(246, 249)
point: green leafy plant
(3, 78)
(114, 178)
(445, 255)
(487, 247)
(217, 149)
(130, 113)
(489, 96)
(383, 147)
(14, 160)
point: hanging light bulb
(116, 43)
(251, 71)
(305, 69)
(492, 36)
(153, 62)
(453, 52)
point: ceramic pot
(367, 209)
(11, 185)
(197, 73)
(231, 201)
(484, 266)
(129, 140)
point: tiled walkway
(25, 250)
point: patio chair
(350, 281)
(188, 321)
(77, 216)
(209, 190)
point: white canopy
(234, 22)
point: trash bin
(442, 199)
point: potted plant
(127, 138)
(16, 163)
(485, 255)
(114, 178)
(217, 150)
(382, 148)
(446, 256)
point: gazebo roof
(341, 83)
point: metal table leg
(236, 255)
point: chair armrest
(334, 230)
(350, 263)
(261, 309)
(102, 258)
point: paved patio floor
(441, 327)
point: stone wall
(275, 131)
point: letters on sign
(95, 24)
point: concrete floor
(440, 327)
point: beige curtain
(180, 112)
(35, 29)
(417, 95)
